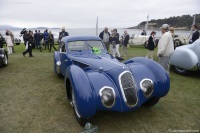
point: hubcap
(6, 60)
(74, 105)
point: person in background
(37, 40)
(171, 29)
(143, 33)
(125, 43)
(195, 34)
(9, 43)
(29, 44)
(165, 48)
(46, 39)
(25, 37)
(114, 40)
(150, 46)
(1, 41)
(51, 41)
(105, 36)
(41, 37)
(12, 38)
(62, 34)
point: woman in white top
(9, 43)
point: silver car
(186, 58)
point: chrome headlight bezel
(147, 92)
(108, 96)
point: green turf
(33, 100)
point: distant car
(186, 58)
(178, 41)
(17, 41)
(3, 57)
(96, 81)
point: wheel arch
(83, 91)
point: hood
(104, 62)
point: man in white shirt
(165, 48)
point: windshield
(84, 45)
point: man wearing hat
(62, 34)
(165, 48)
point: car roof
(80, 38)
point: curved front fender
(184, 58)
(145, 68)
(83, 91)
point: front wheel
(82, 121)
(5, 60)
(151, 102)
(181, 71)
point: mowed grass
(33, 100)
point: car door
(65, 62)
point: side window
(62, 47)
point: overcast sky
(83, 13)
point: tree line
(184, 21)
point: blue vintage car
(96, 81)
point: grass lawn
(33, 100)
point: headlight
(2, 55)
(147, 87)
(107, 95)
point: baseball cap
(165, 26)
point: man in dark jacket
(25, 37)
(46, 39)
(195, 34)
(62, 34)
(29, 44)
(105, 36)
(114, 40)
(37, 40)
(51, 41)
(125, 43)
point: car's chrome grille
(128, 88)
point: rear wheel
(151, 102)
(82, 121)
(181, 71)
